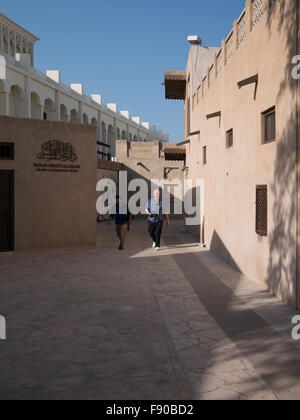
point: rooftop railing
(243, 26)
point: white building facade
(28, 93)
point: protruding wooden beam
(183, 142)
(248, 81)
(214, 115)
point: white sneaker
(157, 248)
(154, 245)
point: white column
(57, 105)
(41, 111)
(99, 131)
(99, 127)
(113, 152)
(4, 102)
(27, 97)
(80, 113)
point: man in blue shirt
(155, 214)
(123, 220)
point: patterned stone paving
(105, 324)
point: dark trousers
(155, 230)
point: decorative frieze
(4, 33)
(12, 41)
(257, 11)
(24, 45)
(229, 47)
(242, 29)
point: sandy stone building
(242, 139)
(154, 161)
(29, 93)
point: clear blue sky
(120, 48)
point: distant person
(123, 220)
(155, 214)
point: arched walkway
(110, 135)
(49, 110)
(85, 119)
(124, 135)
(111, 140)
(16, 102)
(74, 117)
(4, 98)
(63, 113)
(104, 133)
(36, 107)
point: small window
(229, 138)
(269, 125)
(262, 210)
(6, 151)
(204, 155)
(45, 117)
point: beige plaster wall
(231, 175)
(52, 209)
(146, 161)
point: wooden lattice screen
(262, 210)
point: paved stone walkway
(137, 324)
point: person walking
(123, 220)
(155, 214)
